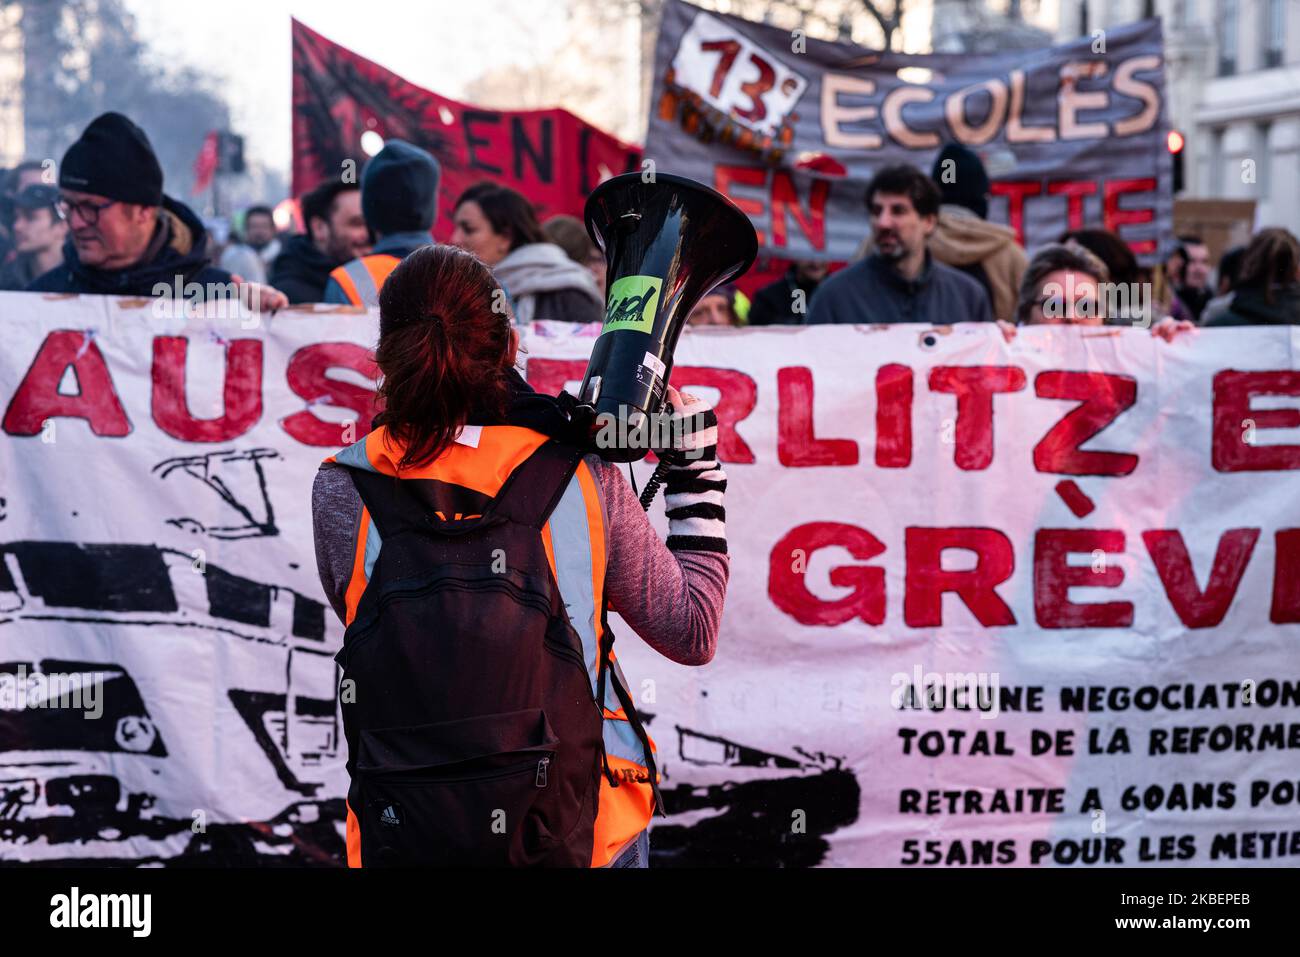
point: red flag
(205, 164)
(551, 156)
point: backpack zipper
(539, 768)
(524, 598)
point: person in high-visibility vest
(399, 198)
(458, 423)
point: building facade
(1233, 69)
(12, 143)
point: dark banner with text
(793, 128)
(551, 156)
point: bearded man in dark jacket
(335, 233)
(126, 238)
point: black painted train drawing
(75, 789)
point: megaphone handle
(660, 474)
(651, 489)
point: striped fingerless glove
(695, 485)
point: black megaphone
(668, 241)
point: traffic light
(1175, 143)
(230, 153)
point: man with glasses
(127, 237)
(39, 231)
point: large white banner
(990, 604)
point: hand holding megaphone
(693, 429)
(692, 451)
(667, 242)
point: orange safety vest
(575, 538)
(361, 279)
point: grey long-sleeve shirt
(672, 598)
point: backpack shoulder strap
(535, 487)
(387, 499)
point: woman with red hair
(437, 477)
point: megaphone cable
(657, 478)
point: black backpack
(473, 734)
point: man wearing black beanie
(399, 198)
(126, 237)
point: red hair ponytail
(444, 342)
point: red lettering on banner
(1015, 191)
(1053, 578)
(1113, 217)
(1104, 397)
(894, 416)
(786, 197)
(788, 590)
(1285, 609)
(548, 376)
(927, 580)
(1074, 190)
(38, 398)
(782, 197)
(724, 176)
(241, 391)
(1233, 446)
(305, 374)
(1074, 498)
(737, 395)
(975, 387)
(1196, 608)
(796, 446)
(728, 49)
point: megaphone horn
(668, 242)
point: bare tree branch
(888, 23)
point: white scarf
(542, 267)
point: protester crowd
(104, 224)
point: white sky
(438, 44)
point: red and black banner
(551, 156)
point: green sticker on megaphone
(632, 303)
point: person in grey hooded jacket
(498, 225)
